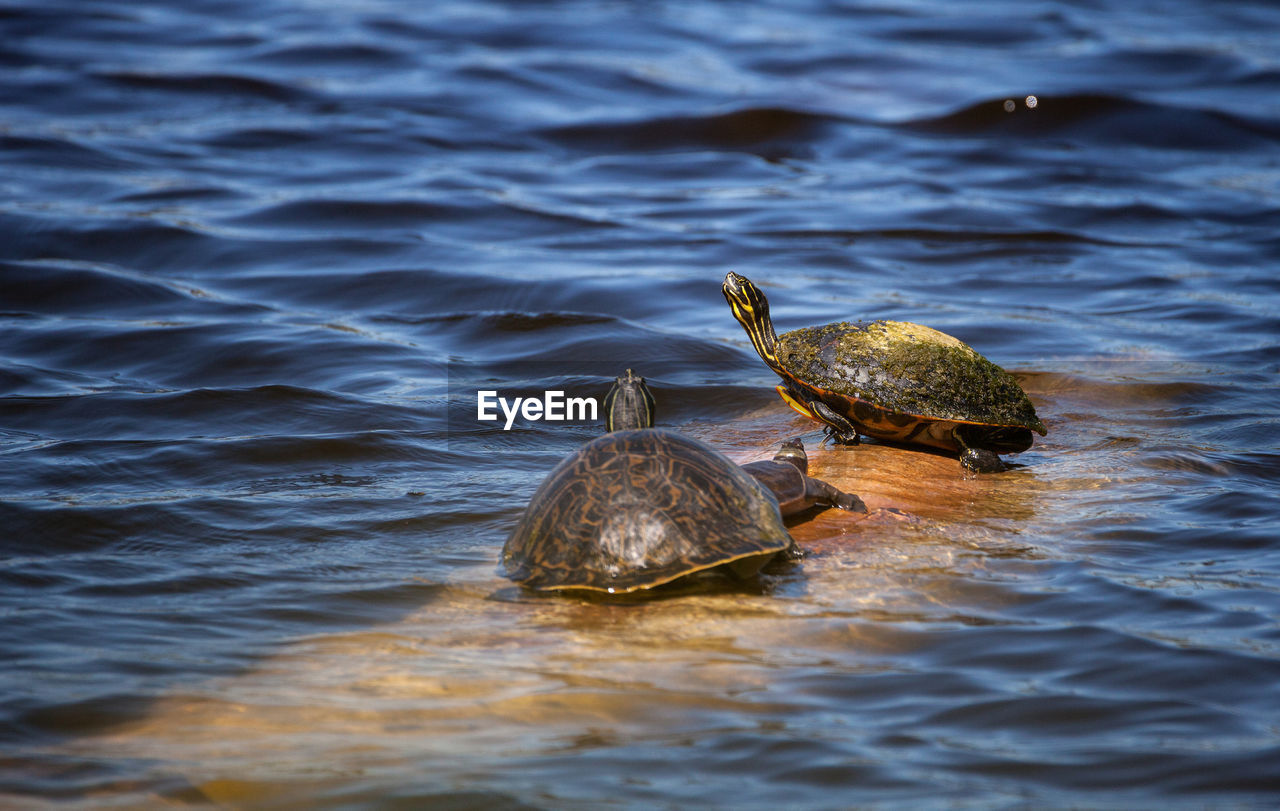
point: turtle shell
(635, 509)
(891, 377)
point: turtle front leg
(838, 426)
(979, 460)
(833, 425)
(827, 493)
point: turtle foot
(841, 437)
(982, 461)
(792, 552)
(837, 427)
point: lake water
(257, 258)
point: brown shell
(904, 381)
(635, 509)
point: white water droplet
(1009, 105)
(1032, 101)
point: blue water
(256, 258)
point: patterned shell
(907, 369)
(636, 509)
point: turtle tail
(751, 309)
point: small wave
(1124, 382)
(356, 607)
(63, 289)
(481, 216)
(1107, 119)
(939, 235)
(185, 193)
(364, 56)
(204, 412)
(356, 214)
(85, 716)
(127, 243)
(508, 341)
(1169, 67)
(57, 525)
(254, 138)
(221, 85)
(756, 129)
(59, 153)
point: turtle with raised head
(892, 380)
(642, 506)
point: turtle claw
(827, 494)
(832, 434)
(849, 502)
(982, 461)
(792, 552)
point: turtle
(893, 380)
(634, 509)
(641, 506)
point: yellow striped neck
(753, 315)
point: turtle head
(628, 405)
(751, 309)
(745, 298)
(792, 452)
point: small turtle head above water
(629, 404)
(792, 451)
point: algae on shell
(907, 368)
